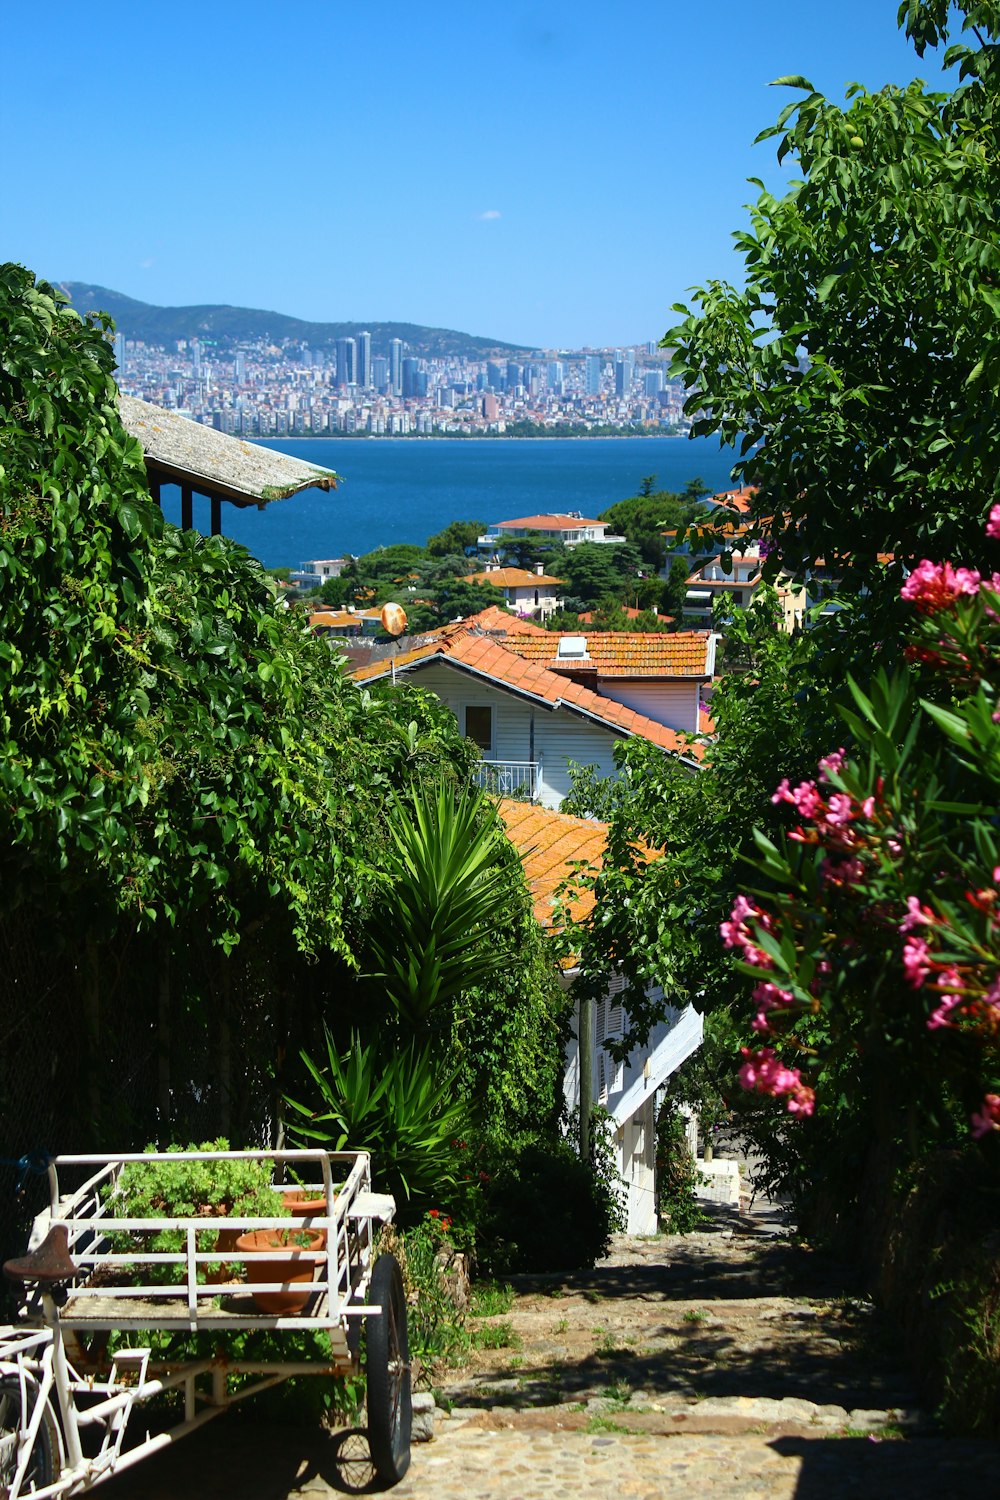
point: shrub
(546, 1210)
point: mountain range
(227, 326)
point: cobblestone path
(727, 1364)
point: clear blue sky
(554, 174)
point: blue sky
(554, 174)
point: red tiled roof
(740, 499)
(555, 522)
(497, 661)
(550, 845)
(626, 609)
(511, 578)
(684, 653)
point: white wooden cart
(67, 1408)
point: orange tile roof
(684, 653)
(740, 499)
(498, 662)
(626, 609)
(497, 619)
(557, 521)
(511, 578)
(549, 843)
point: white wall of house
(627, 1091)
(524, 731)
(674, 704)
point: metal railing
(508, 778)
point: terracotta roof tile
(684, 653)
(550, 844)
(553, 521)
(511, 578)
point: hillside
(227, 326)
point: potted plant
(295, 1260)
(195, 1189)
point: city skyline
(551, 178)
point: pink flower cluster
(769, 997)
(993, 524)
(836, 812)
(763, 1073)
(935, 586)
(988, 1118)
(736, 933)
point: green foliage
(435, 1318)
(596, 570)
(500, 1335)
(490, 1299)
(644, 518)
(457, 537)
(546, 1210)
(401, 1103)
(435, 932)
(676, 1173)
(859, 369)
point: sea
(406, 489)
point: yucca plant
(401, 1104)
(439, 929)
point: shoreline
(449, 437)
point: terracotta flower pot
(225, 1242)
(302, 1204)
(291, 1262)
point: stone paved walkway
(725, 1364)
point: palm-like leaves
(401, 1104)
(437, 932)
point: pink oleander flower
(916, 915)
(935, 586)
(868, 807)
(992, 996)
(941, 1016)
(764, 1073)
(770, 996)
(840, 810)
(804, 798)
(843, 871)
(993, 524)
(736, 934)
(832, 764)
(915, 965)
(988, 1118)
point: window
(479, 726)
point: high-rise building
(411, 369)
(119, 351)
(491, 407)
(380, 372)
(347, 362)
(652, 382)
(196, 359)
(513, 374)
(239, 369)
(396, 366)
(364, 360)
(555, 374)
(592, 374)
(496, 379)
(624, 371)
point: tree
(456, 537)
(595, 570)
(859, 369)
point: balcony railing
(508, 778)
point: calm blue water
(405, 490)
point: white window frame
(489, 754)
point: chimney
(539, 569)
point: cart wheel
(389, 1411)
(44, 1461)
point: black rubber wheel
(390, 1413)
(43, 1465)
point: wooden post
(586, 1056)
(216, 516)
(187, 508)
(163, 1035)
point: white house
(526, 593)
(571, 528)
(551, 845)
(531, 724)
(659, 675)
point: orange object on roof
(685, 653)
(740, 499)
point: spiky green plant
(438, 930)
(401, 1104)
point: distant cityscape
(262, 390)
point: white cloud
(489, 213)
